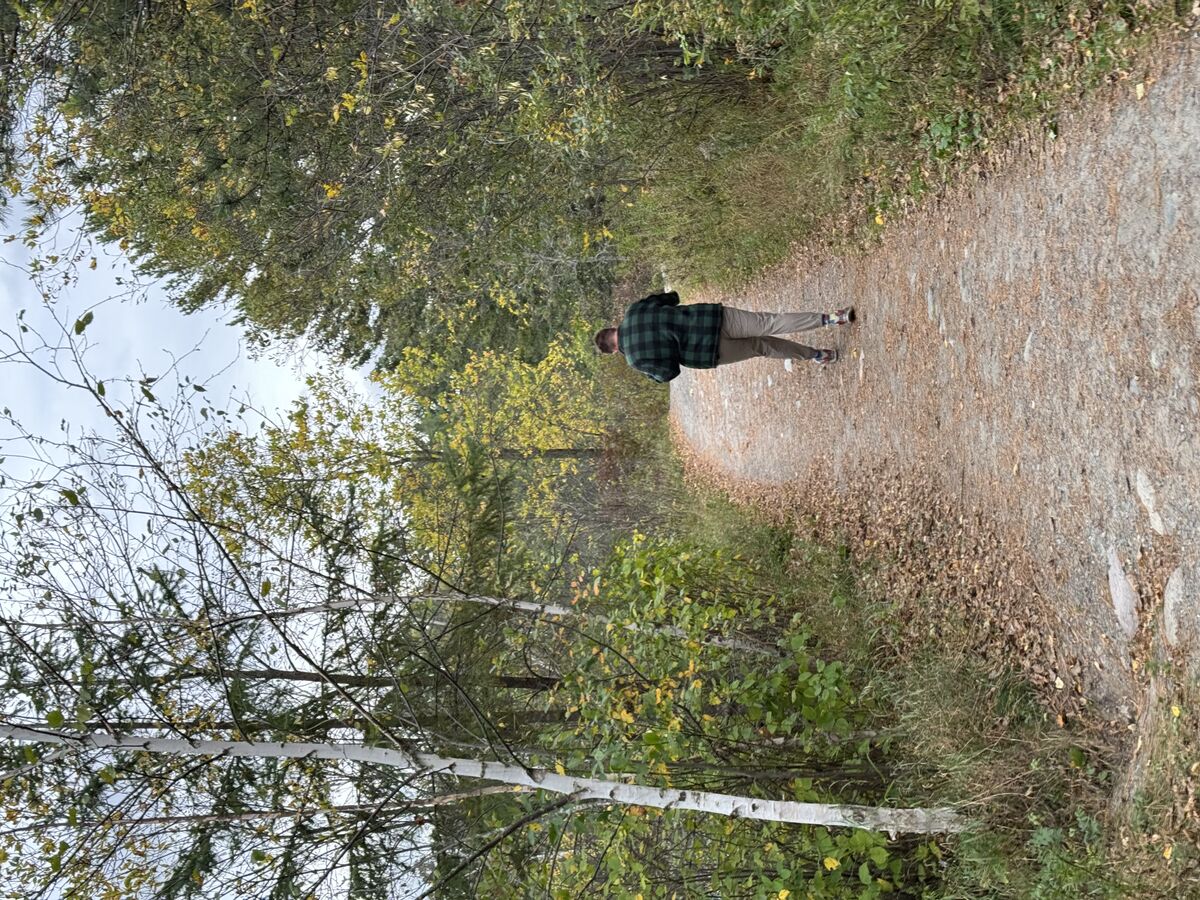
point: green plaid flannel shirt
(658, 335)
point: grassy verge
(870, 106)
(1155, 816)
(944, 729)
(950, 731)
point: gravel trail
(1015, 425)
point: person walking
(658, 335)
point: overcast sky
(134, 332)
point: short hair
(599, 339)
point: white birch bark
(529, 607)
(893, 821)
(555, 611)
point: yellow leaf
(831, 863)
(878, 218)
(784, 894)
(560, 768)
(1167, 851)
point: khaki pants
(745, 335)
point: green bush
(865, 106)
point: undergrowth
(943, 729)
(867, 107)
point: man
(658, 335)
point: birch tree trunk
(893, 821)
(267, 815)
(529, 607)
(556, 611)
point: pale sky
(133, 332)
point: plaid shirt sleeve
(670, 298)
(659, 373)
(649, 336)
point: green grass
(865, 108)
(1158, 830)
(1037, 792)
(945, 729)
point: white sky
(134, 332)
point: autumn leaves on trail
(1015, 431)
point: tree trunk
(266, 815)
(555, 611)
(511, 719)
(893, 821)
(515, 682)
(506, 453)
(521, 682)
(544, 610)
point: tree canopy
(370, 176)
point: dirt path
(1018, 406)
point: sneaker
(843, 316)
(825, 357)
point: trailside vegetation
(347, 651)
(455, 173)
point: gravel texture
(1018, 404)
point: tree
(139, 616)
(489, 448)
(920, 821)
(369, 176)
(204, 668)
(10, 37)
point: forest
(483, 630)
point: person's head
(606, 340)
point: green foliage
(872, 104)
(371, 177)
(447, 175)
(941, 728)
(663, 685)
(694, 682)
(1071, 862)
